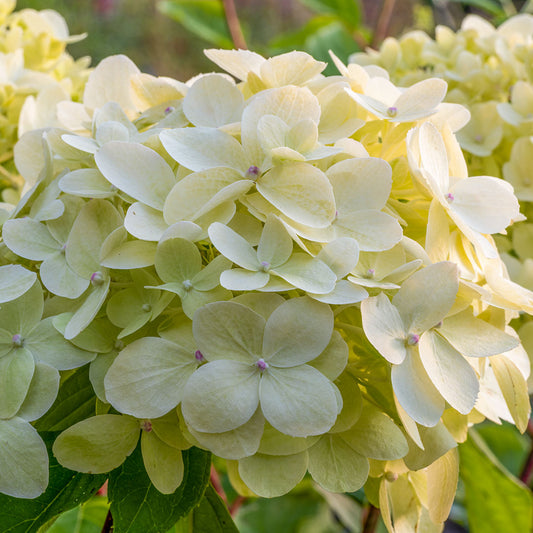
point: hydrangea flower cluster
(488, 70)
(36, 74)
(292, 271)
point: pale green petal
(436, 441)
(202, 148)
(29, 239)
(148, 377)
(421, 99)
(307, 273)
(298, 401)
(344, 293)
(137, 170)
(168, 429)
(199, 192)
(236, 62)
(273, 442)
(20, 316)
(23, 460)
(145, 222)
(87, 183)
(128, 306)
(360, 183)
(235, 444)
(49, 346)
(221, 396)
(228, 330)
(99, 336)
(230, 244)
(183, 229)
(42, 393)
(263, 304)
(16, 372)
(415, 391)
(273, 475)
(282, 186)
(275, 246)
(297, 332)
(98, 444)
(376, 436)
(163, 463)
(209, 277)
(177, 260)
(239, 279)
(335, 466)
(340, 255)
(427, 296)
(98, 370)
(384, 328)
(213, 101)
(332, 361)
(373, 230)
(60, 279)
(88, 309)
(352, 403)
(121, 254)
(193, 300)
(15, 280)
(84, 144)
(272, 132)
(95, 222)
(449, 371)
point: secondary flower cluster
(489, 71)
(35, 74)
(290, 270)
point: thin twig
(217, 484)
(108, 524)
(234, 507)
(371, 520)
(382, 25)
(234, 26)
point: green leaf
(136, 505)
(87, 518)
(204, 18)
(495, 500)
(212, 516)
(66, 490)
(76, 401)
(490, 6)
(347, 11)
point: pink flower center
(199, 356)
(261, 364)
(17, 340)
(392, 111)
(146, 425)
(252, 173)
(97, 278)
(413, 339)
(450, 197)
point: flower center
(370, 273)
(18, 341)
(412, 339)
(146, 425)
(392, 111)
(119, 345)
(450, 197)
(169, 109)
(146, 308)
(265, 265)
(252, 173)
(199, 356)
(187, 285)
(97, 279)
(261, 364)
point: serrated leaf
(495, 500)
(136, 505)
(204, 18)
(212, 515)
(66, 489)
(75, 402)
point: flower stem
(217, 484)
(527, 470)
(234, 26)
(382, 24)
(371, 520)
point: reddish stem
(108, 524)
(382, 25)
(234, 26)
(217, 484)
(234, 507)
(371, 520)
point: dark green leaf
(347, 11)
(490, 6)
(66, 490)
(204, 18)
(86, 518)
(76, 401)
(212, 515)
(136, 505)
(495, 500)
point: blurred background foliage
(167, 37)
